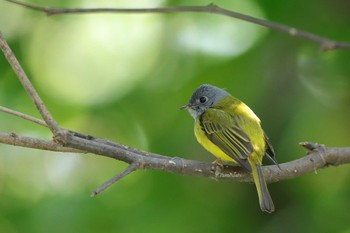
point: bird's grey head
(204, 97)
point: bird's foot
(218, 163)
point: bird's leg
(218, 163)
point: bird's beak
(187, 106)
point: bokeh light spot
(220, 36)
(95, 59)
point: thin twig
(42, 123)
(23, 116)
(325, 43)
(11, 58)
(131, 168)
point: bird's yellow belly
(208, 145)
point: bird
(230, 130)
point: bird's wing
(222, 130)
(270, 152)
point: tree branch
(11, 58)
(23, 116)
(319, 157)
(34, 143)
(325, 43)
(132, 167)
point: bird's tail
(265, 200)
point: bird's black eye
(203, 99)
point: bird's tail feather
(265, 200)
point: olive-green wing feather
(222, 130)
(270, 152)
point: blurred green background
(123, 77)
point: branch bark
(34, 143)
(27, 85)
(318, 157)
(325, 43)
(23, 116)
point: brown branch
(131, 168)
(325, 43)
(319, 157)
(11, 58)
(34, 143)
(23, 116)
